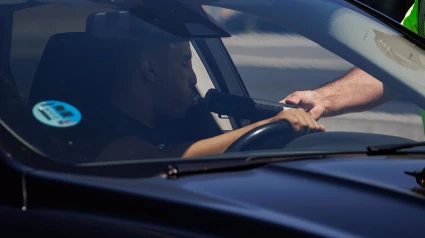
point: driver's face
(176, 80)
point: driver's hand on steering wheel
(300, 120)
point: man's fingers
(307, 123)
(300, 120)
(304, 123)
(315, 113)
(317, 127)
(293, 99)
(312, 123)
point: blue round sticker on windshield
(56, 113)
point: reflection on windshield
(400, 50)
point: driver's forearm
(219, 144)
(355, 92)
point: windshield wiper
(184, 169)
(388, 149)
(175, 171)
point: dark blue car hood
(368, 196)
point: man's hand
(300, 120)
(308, 100)
(357, 91)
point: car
(64, 62)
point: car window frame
(221, 68)
(204, 83)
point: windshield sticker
(56, 113)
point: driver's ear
(149, 70)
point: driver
(160, 90)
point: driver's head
(167, 71)
(162, 80)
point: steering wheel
(280, 133)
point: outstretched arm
(355, 92)
(298, 118)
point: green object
(414, 20)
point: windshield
(89, 82)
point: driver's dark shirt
(145, 143)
